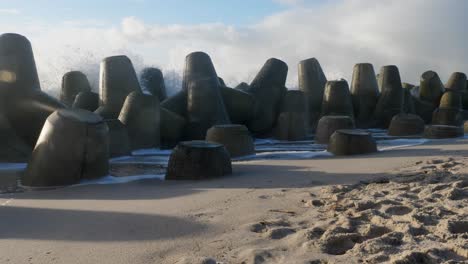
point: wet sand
(268, 211)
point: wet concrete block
(235, 138)
(327, 125)
(291, 126)
(198, 160)
(406, 125)
(351, 142)
(442, 131)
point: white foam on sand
(119, 180)
(13, 166)
(390, 144)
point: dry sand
(399, 206)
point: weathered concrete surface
(239, 105)
(73, 83)
(391, 99)
(327, 125)
(431, 87)
(24, 105)
(205, 107)
(141, 115)
(172, 128)
(87, 101)
(17, 64)
(152, 80)
(351, 142)
(406, 125)
(119, 142)
(73, 145)
(443, 131)
(117, 80)
(235, 138)
(176, 103)
(197, 160)
(291, 126)
(12, 148)
(457, 82)
(365, 93)
(268, 89)
(198, 65)
(337, 99)
(312, 82)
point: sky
(416, 35)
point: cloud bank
(415, 35)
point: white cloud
(10, 11)
(415, 35)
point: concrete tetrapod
(235, 138)
(364, 93)
(73, 83)
(337, 99)
(152, 80)
(447, 116)
(141, 116)
(197, 160)
(87, 101)
(176, 103)
(294, 101)
(406, 125)
(12, 148)
(424, 109)
(431, 88)
(117, 79)
(198, 65)
(291, 126)
(457, 82)
(312, 82)
(172, 128)
(409, 106)
(24, 105)
(449, 111)
(239, 105)
(268, 89)
(327, 125)
(391, 99)
(205, 107)
(119, 143)
(17, 64)
(351, 142)
(243, 87)
(443, 131)
(292, 123)
(73, 145)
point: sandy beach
(406, 205)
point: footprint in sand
(264, 226)
(398, 210)
(280, 233)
